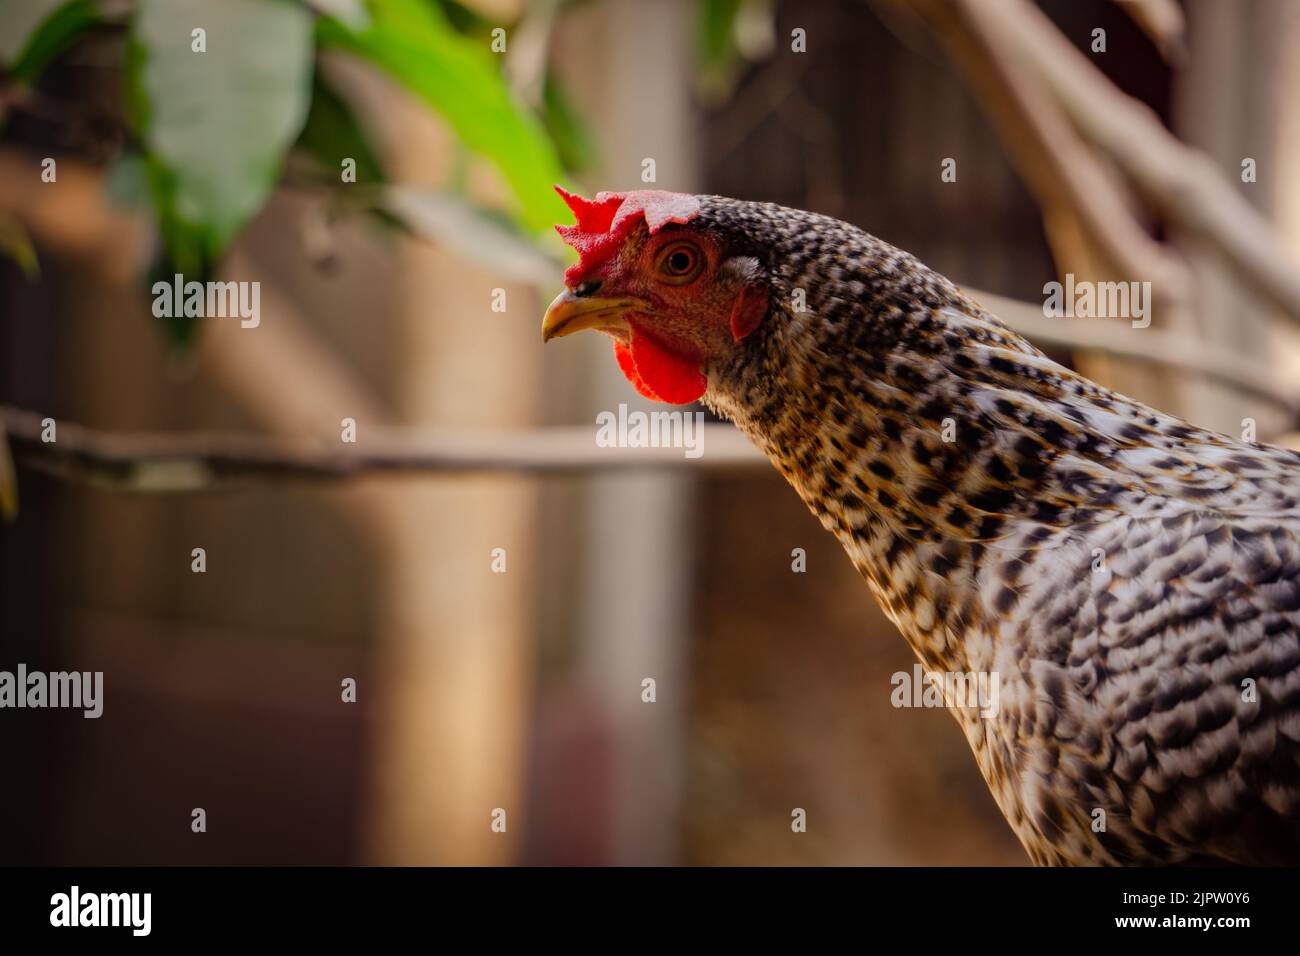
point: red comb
(605, 221)
(592, 216)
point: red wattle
(626, 364)
(658, 373)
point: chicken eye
(680, 262)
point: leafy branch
(220, 96)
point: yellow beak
(570, 313)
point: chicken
(1129, 580)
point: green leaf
(472, 232)
(716, 32)
(218, 122)
(460, 79)
(15, 244)
(8, 480)
(333, 134)
(33, 32)
(183, 249)
(716, 44)
(19, 22)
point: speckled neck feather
(1122, 570)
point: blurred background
(1112, 155)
